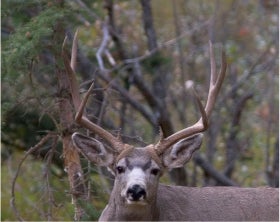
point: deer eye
(120, 169)
(155, 171)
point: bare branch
(136, 105)
(102, 48)
(85, 7)
(46, 174)
(31, 150)
(166, 44)
(110, 58)
(208, 168)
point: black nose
(136, 192)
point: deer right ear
(180, 153)
(93, 150)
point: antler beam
(202, 124)
(79, 105)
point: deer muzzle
(136, 193)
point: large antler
(202, 124)
(79, 105)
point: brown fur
(218, 204)
(176, 203)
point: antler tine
(215, 81)
(202, 124)
(79, 105)
(84, 121)
(70, 71)
(74, 52)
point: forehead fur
(139, 152)
(139, 157)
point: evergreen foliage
(30, 37)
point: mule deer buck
(137, 194)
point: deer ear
(93, 150)
(180, 153)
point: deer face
(137, 176)
(137, 170)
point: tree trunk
(70, 154)
(178, 176)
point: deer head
(137, 169)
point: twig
(86, 8)
(31, 150)
(166, 44)
(50, 155)
(138, 106)
(246, 75)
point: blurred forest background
(140, 53)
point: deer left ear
(93, 150)
(180, 153)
